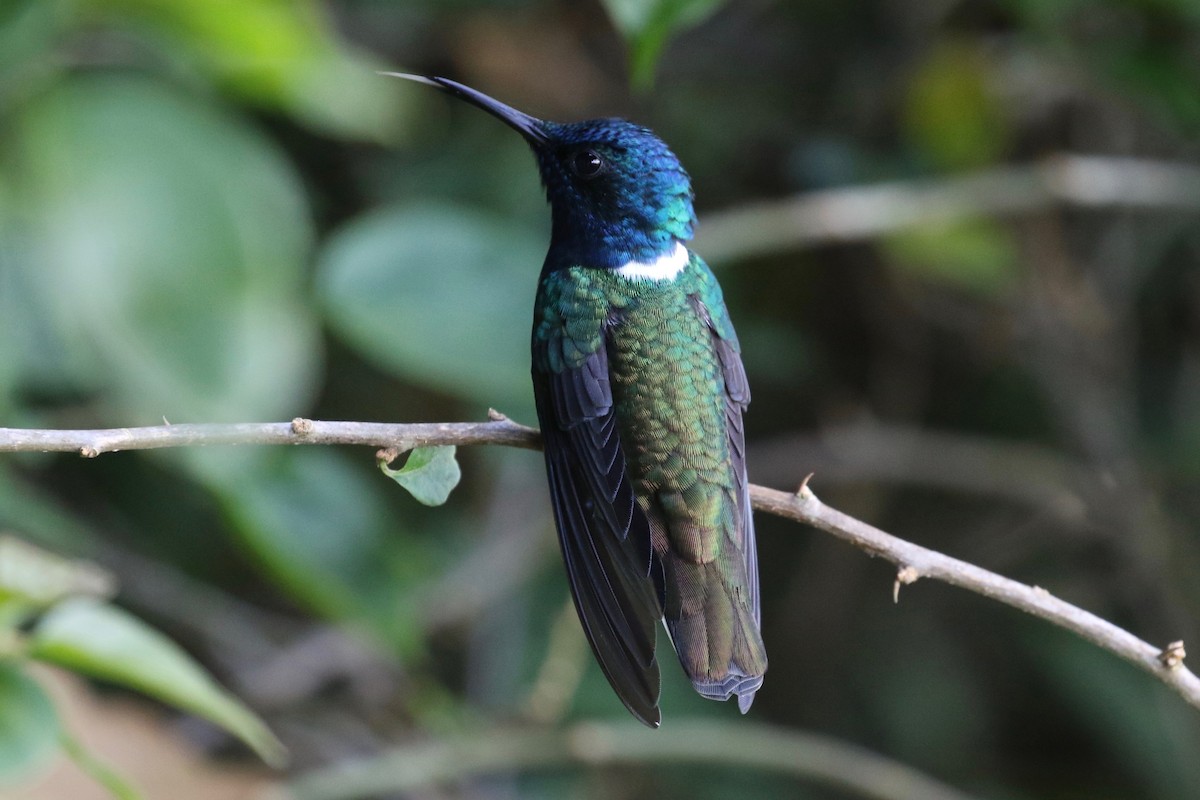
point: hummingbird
(639, 387)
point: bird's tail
(714, 630)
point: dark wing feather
(737, 399)
(604, 535)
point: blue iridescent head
(617, 193)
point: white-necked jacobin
(640, 390)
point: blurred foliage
(977, 255)
(198, 222)
(29, 728)
(51, 611)
(105, 642)
(1145, 47)
(952, 116)
(384, 280)
(648, 25)
(99, 161)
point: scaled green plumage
(672, 408)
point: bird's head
(617, 193)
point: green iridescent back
(681, 435)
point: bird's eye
(587, 164)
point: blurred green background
(216, 211)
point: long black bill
(527, 126)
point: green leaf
(647, 25)
(28, 29)
(441, 295)
(429, 474)
(323, 530)
(978, 255)
(312, 522)
(282, 54)
(37, 578)
(166, 245)
(29, 727)
(29, 508)
(105, 642)
(951, 113)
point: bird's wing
(604, 534)
(710, 305)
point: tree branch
(912, 561)
(820, 759)
(91, 443)
(854, 213)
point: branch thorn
(802, 491)
(496, 416)
(1172, 655)
(904, 576)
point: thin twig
(92, 443)
(855, 213)
(804, 755)
(913, 561)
